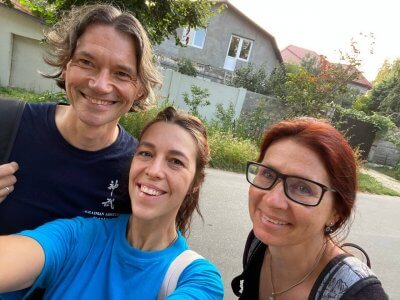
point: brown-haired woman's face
(162, 172)
(279, 221)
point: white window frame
(191, 33)
(239, 49)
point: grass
(389, 171)
(227, 152)
(370, 185)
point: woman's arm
(21, 261)
(199, 281)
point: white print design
(110, 201)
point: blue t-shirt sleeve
(57, 239)
(200, 280)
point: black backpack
(253, 244)
(10, 116)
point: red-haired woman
(302, 192)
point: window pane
(199, 37)
(233, 47)
(245, 51)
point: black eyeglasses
(297, 189)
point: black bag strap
(250, 249)
(10, 116)
(364, 253)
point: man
(71, 160)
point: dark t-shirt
(56, 180)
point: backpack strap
(252, 246)
(368, 262)
(174, 271)
(10, 116)
(346, 272)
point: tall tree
(161, 18)
(385, 95)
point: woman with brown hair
(302, 193)
(127, 257)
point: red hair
(332, 148)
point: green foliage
(161, 18)
(198, 99)
(384, 96)
(31, 96)
(381, 123)
(133, 122)
(224, 118)
(367, 183)
(362, 103)
(185, 66)
(229, 152)
(252, 125)
(251, 78)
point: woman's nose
(155, 169)
(276, 196)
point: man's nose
(101, 82)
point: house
(230, 41)
(294, 55)
(21, 49)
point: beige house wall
(21, 51)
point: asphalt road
(221, 238)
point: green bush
(185, 66)
(229, 152)
(31, 96)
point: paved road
(221, 237)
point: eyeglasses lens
(296, 189)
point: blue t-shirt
(56, 180)
(89, 258)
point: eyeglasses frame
(283, 177)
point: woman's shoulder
(203, 271)
(343, 275)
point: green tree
(185, 66)
(251, 78)
(199, 98)
(161, 18)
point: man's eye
(85, 62)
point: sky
(326, 27)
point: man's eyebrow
(84, 53)
(122, 67)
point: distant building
(294, 55)
(230, 41)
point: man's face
(101, 77)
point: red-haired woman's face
(279, 221)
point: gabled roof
(266, 33)
(294, 54)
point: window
(240, 48)
(194, 37)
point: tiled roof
(294, 54)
